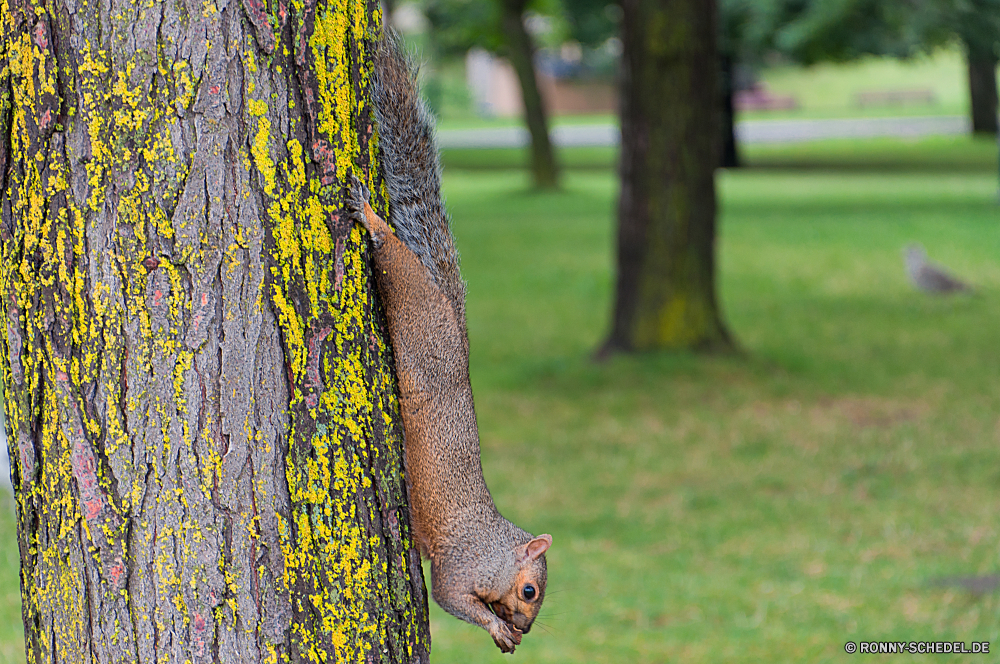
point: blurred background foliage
(760, 35)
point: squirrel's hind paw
(358, 196)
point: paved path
(749, 131)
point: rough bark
(730, 152)
(665, 296)
(203, 423)
(982, 69)
(520, 51)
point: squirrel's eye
(529, 591)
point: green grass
(11, 631)
(875, 155)
(493, 159)
(469, 121)
(762, 508)
(880, 155)
(766, 507)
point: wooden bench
(895, 98)
(761, 99)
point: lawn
(829, 483)
(826, 485)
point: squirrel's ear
(534, 548)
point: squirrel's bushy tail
(412, 169)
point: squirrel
(484, 569)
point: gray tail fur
(412, 168)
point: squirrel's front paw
(505, 636)
(357, 197)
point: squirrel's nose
(526, 629)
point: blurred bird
(928, 277)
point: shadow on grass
(955, 154)
(862, 165)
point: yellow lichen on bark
(329, 553)
(200, 399)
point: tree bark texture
(665, 296)
(202, 415)
(983, 93)
(730, 148)
(521, 51)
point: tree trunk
(665, 294)
(203, 421)
(730, 152)
(521, 50)
(983, 92)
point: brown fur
(480, 561)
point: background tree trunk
(521, 50)
(665, 294)
(203, 424)
(730, 152)
(983, 92)
(388, 9)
